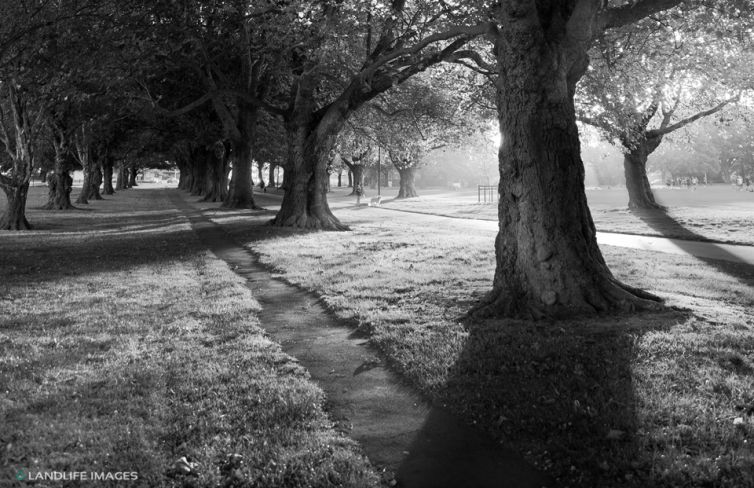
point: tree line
(214, 84)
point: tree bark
(96, 181)
(133, 171)
(217, 174)
(59, 187)
(640, 194)
(260, 173)
(340, 177)
(305, 202)
(86, 187)
(407, 185)
(107, 175)
(548, 261)
(14, 217)
(121, 180)
(271, 175)
(241, 193)
(355, 175)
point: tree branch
(682, 123)
(633, 12)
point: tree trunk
(340, 177)
(86, 186)
(260, 173)
(640, 194)
(217, 174)
(350, 178)
(241, 193)
(548, 261)
(43, 176)
(94, 193)
(121, 181)
(407, 185)
(107, 176)
(59, 187)
(271, 175)
(305, 203)
(133, 171)
(14, 217)
(356, 177)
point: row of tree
(214, 84)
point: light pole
(379, 169)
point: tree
(378, 46)
(19, 143)
(355, 148)
(652, 80)
(548, 261)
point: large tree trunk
(407, 185)
(305, 203)
(640, 194)
(241, 192)
(60, 183)
(217, 174)
(14, 217)
(107, 175)
(86, 186)
(121, 181)
(548, 261)
(350, 178)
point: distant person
(740, 183)
(694, 182)
(747, 182)
(359, 191)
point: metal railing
(486, 193)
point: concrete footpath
(411, 442)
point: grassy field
(663, 399)
(714, 212)
(125, 347)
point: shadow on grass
(560, 393)
(28, 258)
(688, 241)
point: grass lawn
(124, 346)
(661, 399)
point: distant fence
(486, 193)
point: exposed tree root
(615, 297)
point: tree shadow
(101, 248)
(560, 393)
(715, 254)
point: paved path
(423, 446)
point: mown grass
(130, 350)
(663, 399)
